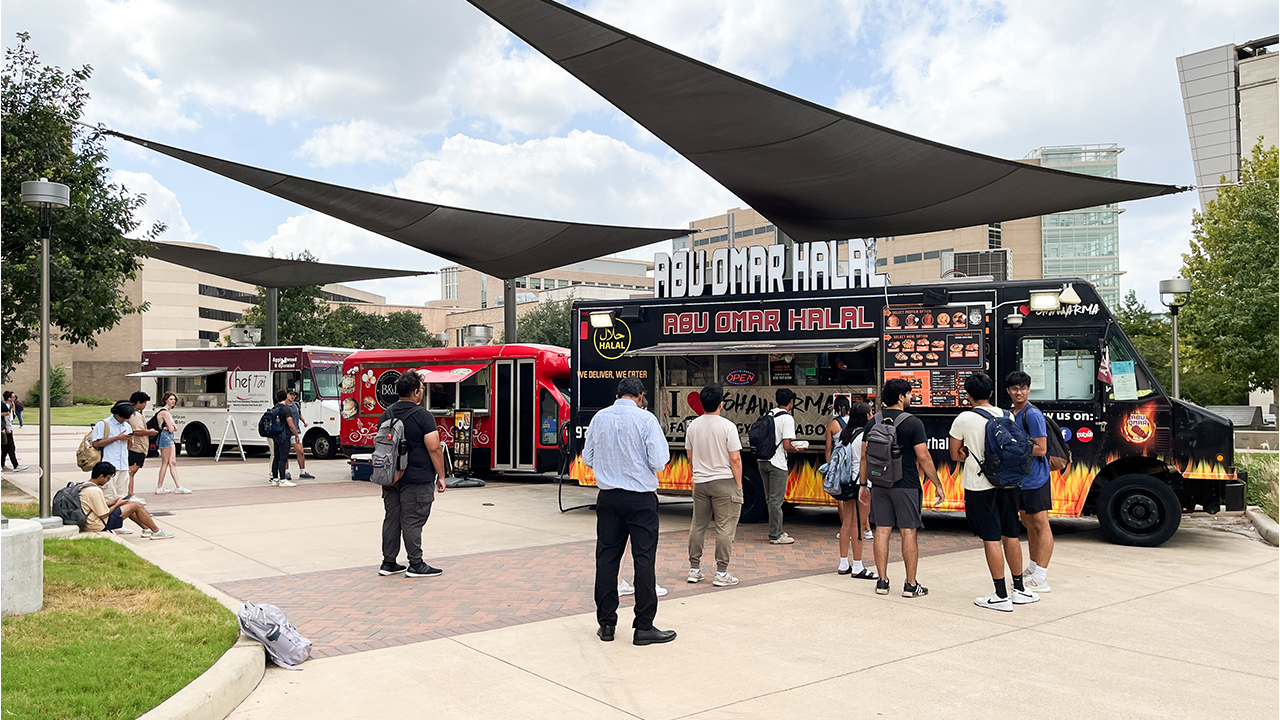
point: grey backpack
(390, 452)
(66, 505)
(884, 457)
(268, 625)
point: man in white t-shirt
(715, 452)
(773, 470)
(111, 436)
(992, 511)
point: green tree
(91, 257)
(1231, 319)
(301, 312)
(551, 323)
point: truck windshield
(327, 378)
(1120, 350)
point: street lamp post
(1173, 295)
(46, 196)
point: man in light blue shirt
(625, 448)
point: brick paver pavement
(353, 610)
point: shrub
(59, 388)
(1264, 472)
(90, 400)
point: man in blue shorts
(1035, 501)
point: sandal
(865, 575)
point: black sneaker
(882, 586)
(423, 570)
(917, 590)
(390, 568)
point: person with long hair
(854, 512)
(165, 444)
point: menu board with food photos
(935, 349)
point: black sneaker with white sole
(882, 586)
(390, 568)
(913, 591)
(423, 570)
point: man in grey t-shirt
(296, 440)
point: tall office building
(1229, 96)
(1083, 243)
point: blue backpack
(1007, 455)
(269, 425)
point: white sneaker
(724, 579)
(695, 575)
(146, 533)
(161, 535)
(624, 588)
(868, 535)
(1040, 586)
(1023, 597)
(122, 531)
(183, 491)
(135, 498)
(285, 483)
(783, 539)
(163, 491)
(994, 602)
(661, 590)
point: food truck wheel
(197, 442)
(754, 509)
(1139, 510)
(323, 446)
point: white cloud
(357, 141)
(161, 206)
(583, 177)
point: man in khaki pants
(714, 450)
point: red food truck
(513, 401)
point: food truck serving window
(689, 370)
(1061, 368)
(464, 387)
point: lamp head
(601, 319)
(1175, 292)
(44, 194)
(1068, 295)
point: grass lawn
(75, 415)
(117, 636)
(20, 510)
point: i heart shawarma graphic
(695, 402)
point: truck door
(514, 414)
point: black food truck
(1140, 458)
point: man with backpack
(895, 453)
(111, 436)
(1035, 500)
(978, 437)
(715, 452)
(282, 429)
(101, 515)
(771, 458)
(406, 502)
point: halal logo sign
(612, 342)
(385, 388)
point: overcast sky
(434, 101)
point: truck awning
(178, 372)
(747, 347)
(449, 373)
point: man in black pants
(407, 503)
(625, 447)
(280, 441)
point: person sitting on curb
(110, 517)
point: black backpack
(1057, 447)
(269, 425)
(66, 505)
(763, 435)
(154, 422)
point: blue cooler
(362, 467)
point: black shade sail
(816, 173)
(267, 271)
(504, 246)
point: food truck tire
(323, 445)
(196, 441)
(1139, 510)
(754, 509)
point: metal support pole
(509, 311)
(1177, 390)
(272, 331)
(46, 417)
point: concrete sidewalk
(1185, 630)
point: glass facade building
(1084, 243)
